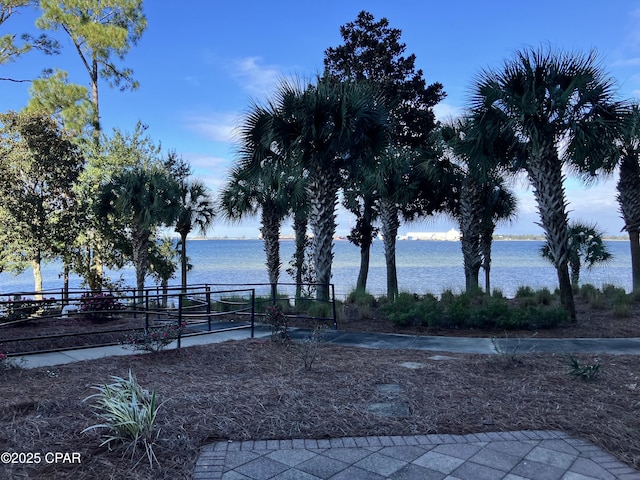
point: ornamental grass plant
(127, 412)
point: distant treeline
(531, 236)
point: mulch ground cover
(258, 389)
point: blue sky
(201, 65)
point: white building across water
(452, 236)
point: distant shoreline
(497, 238)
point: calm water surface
(423, 266)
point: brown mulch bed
(256, 389)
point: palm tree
(404, 191)
(261, 182)
(163, 264)
(501, 205)
(478, 197)
(302, 270)
(133, 204)
(629, 186)
(542, 100)
(328, 129)
(586, 247)
(196, 211)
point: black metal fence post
(253, 313)
(180, 320)
(333, 299)
(208, 298)
(146, 310)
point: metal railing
(101, 317)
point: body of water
(423, 266)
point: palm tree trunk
(322, 218)
(545, 175)
(183, 262)
(471, 229)
(270, 230)
(300, 221)
(486, 240)
(366, 240)
(390, 225)
(629, 200)
(634, 242)
(363, 274)
(140, 257)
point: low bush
(475, 311)
(622, 306)
(404, 311)
(279, 325)
(309, 348)
(154, 339)
(19, 308)
(544, 297)
(99, 302)
(7, 363)
(321, 310)
(524, 291)
(613, 293)
(361, 298)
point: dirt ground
(258, 389)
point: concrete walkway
(536, 455)
(521, 455)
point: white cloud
(257, 79)
(209, 169)
(627, 62)
(219, 127)
(445, 112)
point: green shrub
(524, 291)
(361, 298)
(543, 297)
(403, 312)
(497, 293)
(493, 312)
(128, 413)
(546, 317)
(597, 300)
(472, 311)
(586, 290)
(320, 310)
(622, 306)
(447, 296)
(454, 315)
(613, 293)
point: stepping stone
(389, 389)
(389, 409)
